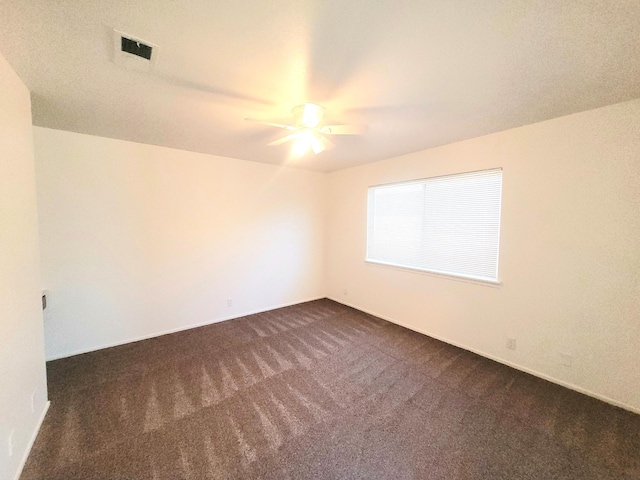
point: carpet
(318, 391)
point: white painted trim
(178, 329)
(535, 373)
(23, 462)
(435, 273)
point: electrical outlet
(33, 402)
(10, 442)
(565, 359)
(511, 343)
(345, 292)
(229, 302)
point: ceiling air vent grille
(136, 48)
(133, 52)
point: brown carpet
(321, 391)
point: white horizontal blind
(448, 224)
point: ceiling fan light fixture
(317, 145)
(308, 115)
(308, 133)
(304, 141)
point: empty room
(357, 239)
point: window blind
(448, 225)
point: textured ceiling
(419, 73)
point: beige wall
(139, 240)
(569, 254)
(23, 389)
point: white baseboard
(535, 373)
(177, 329)
(23, 462)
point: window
(448, 225)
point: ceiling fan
(307, 130)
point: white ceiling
(419, 73)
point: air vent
(136, 48)
(132, 52)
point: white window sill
(433, 273)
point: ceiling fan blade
(328, 144)
(344, 129)
(282, 140)
(271, 124)
(180, 82)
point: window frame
(497, 282)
